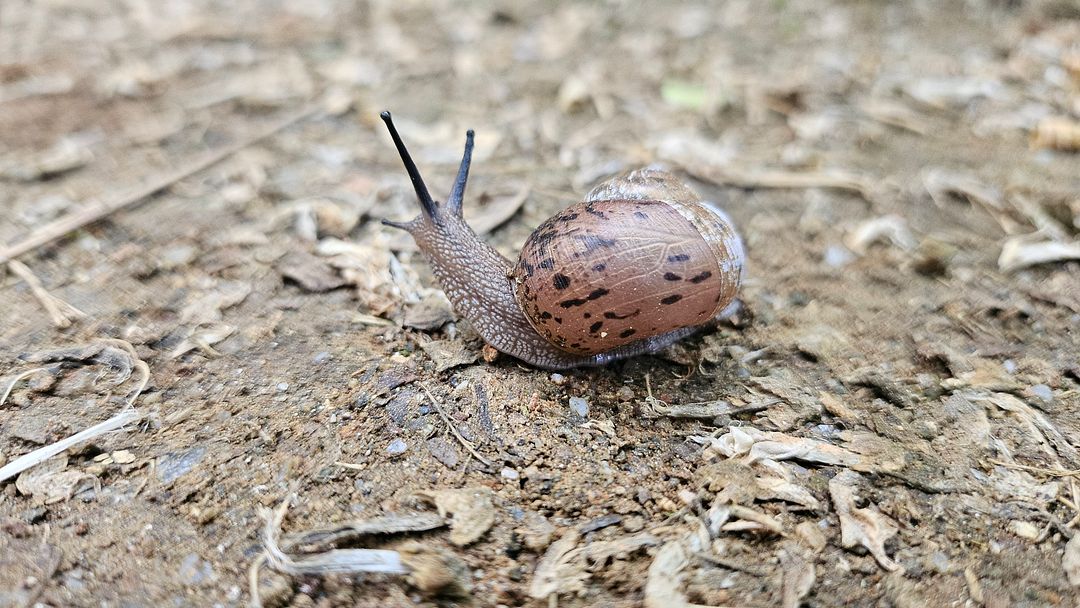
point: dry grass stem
(96, 210)
(61, 313)
(453, 429)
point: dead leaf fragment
(309, 272)
(554, 574)
(866, 527)
(52, 481)
(449, 353)
(1057, 133)
(799, 576)
(1021, 252)
(471, 510)
(891, 228)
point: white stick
(40, 455)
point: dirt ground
(894, 419)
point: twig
(61, 312)
(40, 455)
(351, 466)
(96, 210)
(1041, 470)
(453, 429)
(742, 178)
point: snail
(641, 263)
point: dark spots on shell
(591, 210)
(529, 269)
(567, 217)
(558, 320)
(595, 327)
(587, 315)
(701, 277)
(545, 315)
(671, 276)
(594, 294)
(626, 333)
(599, 267)
(593, 242)
(671, 299)
(640, 215)
(679, 257)
(575, 345)
(614, 315)
(561, 281)
(546, 264)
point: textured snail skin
(486, 288)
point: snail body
(639, 264)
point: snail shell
(640, 257)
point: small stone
(1042, 392)
(625, 393)
(558, 379)
(600, 522)
(396, 447)
(633, 523)
(174, 464)
(321, 358)
(195, 570)
(837, 256)
(579, 406)
(282, 386)
(508, 473)
(123, 457)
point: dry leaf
(471, 510)
(555, 573)
(799, 576)
(203, 339)
(768, 445)
(1020, 252)
(891, 228)
(866, 527)
(663, 587)
(52, 482)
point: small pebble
(634, 523)
(396, 447)
(283, 386)
(321, 358)
(837, 256)
(508, 473)
(558, 379)
(625, 393)
(1009, 365)
(579, 406)
(1042, 392)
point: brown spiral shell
(641, 256)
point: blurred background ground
(894, 422)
